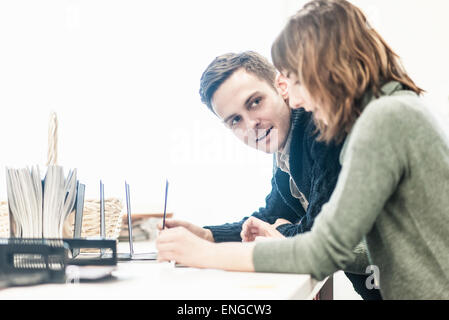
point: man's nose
(253, 123)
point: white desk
(164, 281)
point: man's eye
(235, 121)
(255, 102)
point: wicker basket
(113, 211)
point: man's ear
(282, 85)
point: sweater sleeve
(372, 167)
(275, 207)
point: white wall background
(123, 77)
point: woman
(393, 189)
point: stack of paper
(40, 207)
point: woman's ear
(281, 83)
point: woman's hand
(180, 245)
(253, 228)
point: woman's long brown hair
(338, 57)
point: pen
(128, 210)
(165, 205)
(102, 216)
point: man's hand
(205, 234)
(253, 228)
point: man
(246, 93)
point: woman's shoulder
(400, 120)
(384, 124)
(400, 111)
(403, 104)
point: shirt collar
(283, 155)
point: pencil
(165, 205)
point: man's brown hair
(225, 65)
(338, 57)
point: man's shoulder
(305, 143)
(303, 127)
(301, 118)
(305, 130)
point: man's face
(254, 111)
